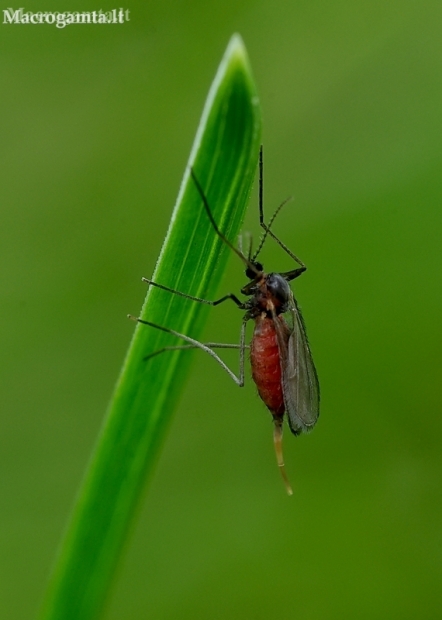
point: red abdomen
(266, 364)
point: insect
(280, 357)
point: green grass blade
(224, 157)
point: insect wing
(299, 378)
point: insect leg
(198, 299)
(238, 252)
(291, 275)
(199, 345)
(265, 226)
(211, 345)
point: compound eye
(251, 273)
(278, 287)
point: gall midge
(280, 357)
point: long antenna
(221, 235)
(261, 206)
(267, 229)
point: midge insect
(280, 357)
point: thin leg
(265, 226)
(231, 296)
(221, 235)
(282, 245)
(295, 273)
(211, 345)
(199, 345)
(212, 219)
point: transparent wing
(299, 378)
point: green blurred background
(97, 125)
